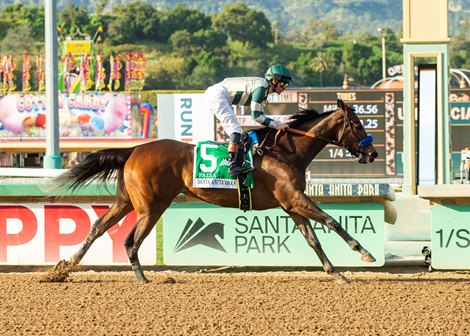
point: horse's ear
(341, 104)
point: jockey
(244, 91)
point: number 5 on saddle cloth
(211, 169)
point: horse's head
(353, 136)
(340, 127)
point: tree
(165, 73)
(20, 39)
(245, 60)
(209, 39)
(181, 42)
(121, 31)
(243, 24)
(321, 63)
(99, 6)
(460, 53)
(185, 43)
(182, 18)
(315, 33)
(74, 20)
(30, 15)
(208, 68)
(362, 61)
(134, 21)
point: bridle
(359, 145)
(355, 150)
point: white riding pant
(217, 100)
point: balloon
(97, 123)
(41, 120)
(83, 118)
(146, 108)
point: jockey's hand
(281, 127)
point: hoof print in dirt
(169, 280)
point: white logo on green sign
(209, 235)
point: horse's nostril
(374, 154)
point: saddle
(213, 172)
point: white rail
(30, 172)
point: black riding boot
(235, 156)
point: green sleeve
(257, 108)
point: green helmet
(279, 73)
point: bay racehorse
(151, 175)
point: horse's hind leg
(303, 224)
(145, 223)
(117, 211)
(99, 227)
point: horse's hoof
(59, 273)
(61, 264)
(143, 281)
(341, 279)
(367, 257)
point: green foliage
(20, 37)
(182, 42)
(243, 24)
(73, 21)
(4, 26)
(185, 43)
(303, 73)
(20, 14)
(321, 64)
(192, 48)
(244, 59)
(207, 70)
(460, 53)
(283, 53)
(182, 18)
(134, 21)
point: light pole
(52, 159)
(382, 33)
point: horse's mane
(305, 115)
(298, 119)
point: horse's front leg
(304, 206)
(303, 224)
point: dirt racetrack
(237, 303)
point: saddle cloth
(211, 167)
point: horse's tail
(98, 166)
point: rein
(357, 147)
(314, 136)
(294, 130)
(297, 131)
(319, 137)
